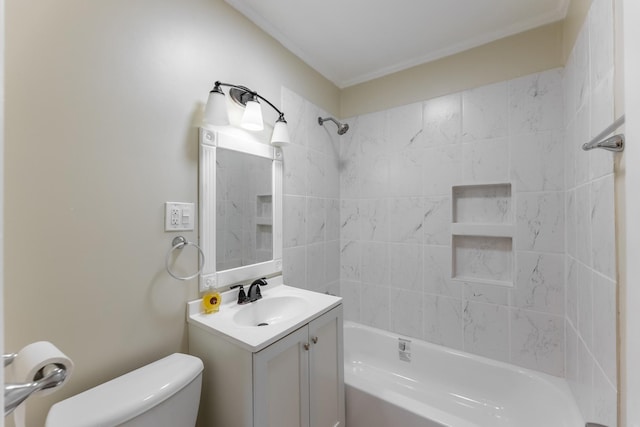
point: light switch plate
(179, 216)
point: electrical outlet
(179, 216)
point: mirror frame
(210, 139)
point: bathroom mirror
(240, 207)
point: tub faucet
(254, 290)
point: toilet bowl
(165, 393)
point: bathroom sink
(270, 311)
(253, 326)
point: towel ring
(179, 243)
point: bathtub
(394, 381)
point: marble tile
(374, 306)
(540, 222)
(486, 330)
(374, 220)
(442, 168)
(332, 261)
(581, 60)
(406, 216)
(333, 219)
(316, 269)
(484, 112)
(582, 135)
(605, 399)
(443, 321)
(601, 38)
(571, 356)
(489, 294)
(406, 312)
(437, 272)
(319, 138)
(373, 174)
(349, 260)
(602, 115)
(537, 341)
(540, 282)
(349, 178)
(585, 305)
(317, 174)
(536, 102)
(442, 118)
(570, 152)
(604, 326)
(405, 266)
(295, 107)
(404, 127)
(571, 231)
(350, 293)
(603, 233)
(485, 161)
(537, 161)
(294, 266)
(569, 77)
(374, 263)
(349, 219)
(295, 170)
(316, 220)
(571, 308)
(405, 173)
(584, 387)
(583, 224)
(332, 184)
(437, 221)
(294, 221)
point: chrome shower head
(342, 127)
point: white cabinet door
(281, 382)
(326, 370)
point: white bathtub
(443, 387)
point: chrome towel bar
(614, 143)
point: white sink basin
(253, 326)
(269, 311)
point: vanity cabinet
(298, 381)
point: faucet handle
(242, 297)
(262, 282)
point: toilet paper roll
(29, 361)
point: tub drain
(263, 324)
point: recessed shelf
(482, 231)
(467, 229)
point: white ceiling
(352, 41)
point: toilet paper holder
(49, 376)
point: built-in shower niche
(264, 227)
(482, 233)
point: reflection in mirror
(244, 209)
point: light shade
(280, 135)
(215, 111)
(252, 117)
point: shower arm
(252, 93)
(321, 121)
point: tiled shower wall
(395, 215)
(368, 215)
(311, 199)
(591, 267)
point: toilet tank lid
(127, 396)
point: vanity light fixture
(216, 111)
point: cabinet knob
(314, 340)
(306, 346)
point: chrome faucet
(254, 290)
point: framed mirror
(240, 202)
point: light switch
(179, 216)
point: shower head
(342, 127)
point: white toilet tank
(165, 393)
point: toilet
(165, 393)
